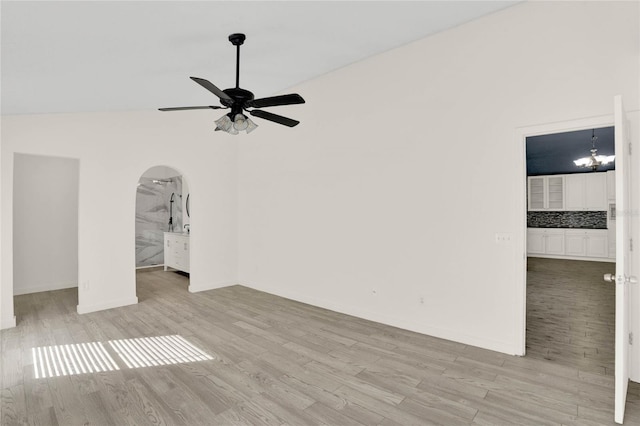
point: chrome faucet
(187, 227)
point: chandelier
(594, 160)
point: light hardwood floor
(277, 361)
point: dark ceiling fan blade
(274, 117)
(212, 88)
(190, 107)
(291, 99)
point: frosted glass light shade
(240, 123)
(251, 126)
(224, 123)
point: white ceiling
(120, 55)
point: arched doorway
(162, 232)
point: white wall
(114, 150)
(45, 226)
(407, 164)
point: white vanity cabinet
(176, 251)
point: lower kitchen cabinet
(587, 244)
(590, 243)
(545, 241)
(176, 251)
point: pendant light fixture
(594, 160)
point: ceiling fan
(239, 100)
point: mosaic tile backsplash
(568, 219)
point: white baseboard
(85, 309)
(9, 322)
(588, 259)
(160, 265)
(196, 289)
(43, 287)
(439, 332)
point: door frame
(522, 133)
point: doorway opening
(45, 234)
(570, 310)
(162, 232)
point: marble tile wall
(568, 219)
(152, 217)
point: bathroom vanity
(176, 251)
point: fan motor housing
(239, 96)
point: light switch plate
(503, 237)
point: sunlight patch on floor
(93, 357)
(152, 351)
(66, 360)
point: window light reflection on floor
(93, 357)
(66, 360)
(161, 350)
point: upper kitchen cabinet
(586, 191)
(546, 192)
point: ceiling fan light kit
(239, 100)
(594, 160)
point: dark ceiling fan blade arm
(274, 117)
(190, 108)
(291, 99)
(212, 88)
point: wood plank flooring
(571, 313)
(277, 361)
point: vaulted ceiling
(119, 55)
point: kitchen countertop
(565, 227)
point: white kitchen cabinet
(554, 242)
(546, 192)
(586, 191)
(611, 238)
(574, 192)
(535, 241)
(568, 243)
(597, 243)
(545, 241)
(176, 251)
(611, 185)
(587, 242)
(575, 243)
